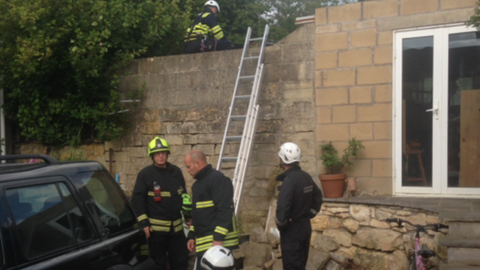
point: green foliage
(331, 160)
(475, 18)
(235, 17)
(61, 61)
(281, 14)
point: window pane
(80, 226)
(110, 202)
(41, 220)
(417, 91)
(464, 110)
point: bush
(62, 60)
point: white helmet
(217, 258)
(213, 4)
(290, 153)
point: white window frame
(439, 186)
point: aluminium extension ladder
(249, 118)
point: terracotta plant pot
(333, 185)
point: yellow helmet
(158, 145)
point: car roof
(49, 167)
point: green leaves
(475, 18)
(332, 162)
(61, 61)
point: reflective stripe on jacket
(163, 216)
(213, 212)
(206, 25)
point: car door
(114, 217)
(49, 230)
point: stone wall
(359, 232)
(353, 76)
(352, 236)
(186, 102)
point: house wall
(353, 76)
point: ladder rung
(255, 39)
(251, 57)
(239, 117)
(229, 159)
(243, 97)
(234, 138)
(248, 77)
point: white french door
(437, 111)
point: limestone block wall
(353, 76)
(186, 102)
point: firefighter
(212, 207)
(205, 34)
(157, 201)
(299, 200)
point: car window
(110, 204)
(47, 218)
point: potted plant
(333, 181)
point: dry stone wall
(186, 101)
(351, 236)
(359, 232)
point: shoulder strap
(199, 18)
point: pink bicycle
(418, 258)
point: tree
(235, 17)
(475, 18)
(281, 14)
(61, 61)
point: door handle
(434, 109)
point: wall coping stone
(449, 209)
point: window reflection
(464, 110)
(417, 89)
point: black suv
(66, 215)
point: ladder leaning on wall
(249, 118)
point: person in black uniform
(205, 34)
(157, 202)
(299, 200)
(212, 207)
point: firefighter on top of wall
(212, 207)
(157, 201)
(205, 34)
(299, 200)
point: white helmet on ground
(290, 153)
(213, 4)
(217, 258)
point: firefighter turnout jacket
(299, 198)
(163, 216)
(213, 213)
(205, 25)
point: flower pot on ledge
(333, 185)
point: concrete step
(459, 267)
(463, 256)
(453, 241)
(459, 216)
(464, 229)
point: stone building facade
(359, 90)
